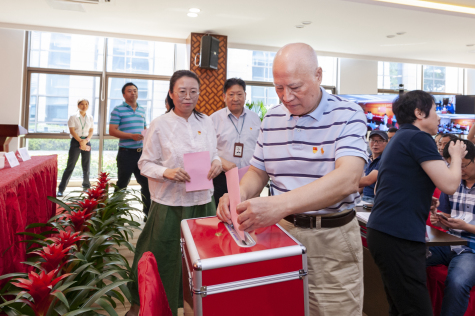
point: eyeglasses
(183, 94)
(379, 141)
(465, 166)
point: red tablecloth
(23, 200)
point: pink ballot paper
(198, 165)
(232, 180)
(242, 171)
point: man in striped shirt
(313, 149)
(458, 212)
(127, 123)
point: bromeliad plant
(75, 267)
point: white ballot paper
(12, 159)
(2, 160)
(364, 216)
(24, 154)
(232, 180)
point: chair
(153, 299)
(436, 276)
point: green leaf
(94, 245)
(106, 306)
(13, 275)
(40, 237)
(80, 311)
(117, 295)
(103, 290)
(80, 288)
(60, 203)
(61, 297)
(34, 225)
(65, 286)
(54, 218)
(125, 290)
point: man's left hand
(454, 223)
(258, 212)
(215, 170)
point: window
(442, 79)
(63, 68)
(66, 51)
(265, 94)
(53, 99)
(391, 75)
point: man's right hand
(177, 174)
(223, 209)
(434, 219)
(136, 136)
(227, 165)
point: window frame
(101, 134)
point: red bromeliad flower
(96, 193)
(40, 288)
(79, 218)
(89, 205)
(53, 255)
(66, 238)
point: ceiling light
(470, 45)
(390, 36)
(300, 26)
(401, 33)
(192, 15)
(194, 10)
(306, 22)
(432, 5)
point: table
(375, 302)
(23, 200)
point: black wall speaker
(209, 52)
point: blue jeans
(367, 199)
(460, 278)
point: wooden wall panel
(212, 81)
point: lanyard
(82, 125)
(239, 132)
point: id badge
(238, 150)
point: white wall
(11, 76)
(357, 76)
(470, 81)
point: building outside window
(442, 79)
(391, 75)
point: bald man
(312, 147)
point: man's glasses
(465, 166)
(379, 141)
(183, 94)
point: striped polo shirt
(295, 151)
(129, 121)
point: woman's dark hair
(177, 75)
(405, 105)
(470, 148)
(128, 84)
(232, 82)
(392, 130)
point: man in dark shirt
(391, 132)
(377, 142)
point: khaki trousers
(335, 268)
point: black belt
(131, 149)
(309, 221)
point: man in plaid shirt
(458, 216)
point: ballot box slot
(249, 242)
(203, 291)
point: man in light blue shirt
(127, 123)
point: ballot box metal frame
(194, 267)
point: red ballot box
(266, 275)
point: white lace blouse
(168, 138)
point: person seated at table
(459, 210)
(391, 132)
(444, 140)
(377, 142)
(81, 127)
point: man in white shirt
(237, 129)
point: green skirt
(161, 236)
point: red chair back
(153, 299)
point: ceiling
(355, 27)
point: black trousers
(220, 187)
(126, 165)
(402, 264)
(73, 157)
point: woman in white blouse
(81, 127)
(181, 130)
